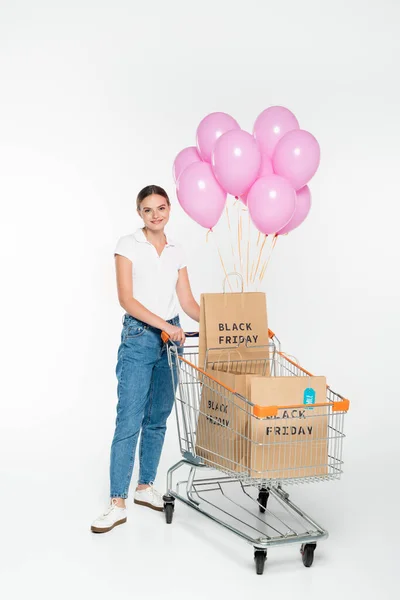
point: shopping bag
(232, 320)
(223, 419)
(293, 444)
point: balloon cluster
(268, 170)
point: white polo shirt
(154, 277)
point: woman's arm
(185, 296)
(123, 268)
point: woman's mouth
(157, 222)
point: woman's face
(154, 211)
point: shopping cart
(264, 516)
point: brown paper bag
(227, 320)
(223, 420)
(295, 443)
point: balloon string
(269, 258)
(220, 258)
(259, 256)
(264, 267)
(227, 215)
(223, 266)
(253, 273)
(248, 252)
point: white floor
(48, 551)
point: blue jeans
(145, 400)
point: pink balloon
(236, 161)
(200, 195)
(266, 166)
(265, 170)
(271, 125)
(303, 206)
(186, 157)
(210, 129)
(297, 157)
(271, 202)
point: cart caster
(262, 499)
(260, 556)
(307, 553)
(169, 507)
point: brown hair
(149, 190)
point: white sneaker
(113, 516)
(149, 497)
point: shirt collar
(140, 237)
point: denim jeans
(145, 400)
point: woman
(151, 272)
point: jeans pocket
(134, 331)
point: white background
(96, 100)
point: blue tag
(309, 396)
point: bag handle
(226, 278)
(228, 362)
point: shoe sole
(158, 509)
(105, 529)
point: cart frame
(252, 519)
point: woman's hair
(149, 190)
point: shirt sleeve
(124, 247)
(181, 258)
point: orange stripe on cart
(272, 411)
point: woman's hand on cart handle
(165, 337)
(175, 334)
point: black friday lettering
(226, 340)
(292, 429)
(286, 430)
(214, 418)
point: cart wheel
(169, 512)
(260, 556)
(262, 499)
(307, 553)
(169, 506)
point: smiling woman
(153, 206)
(151, 277)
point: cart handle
(165, 336)
(272, 411)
